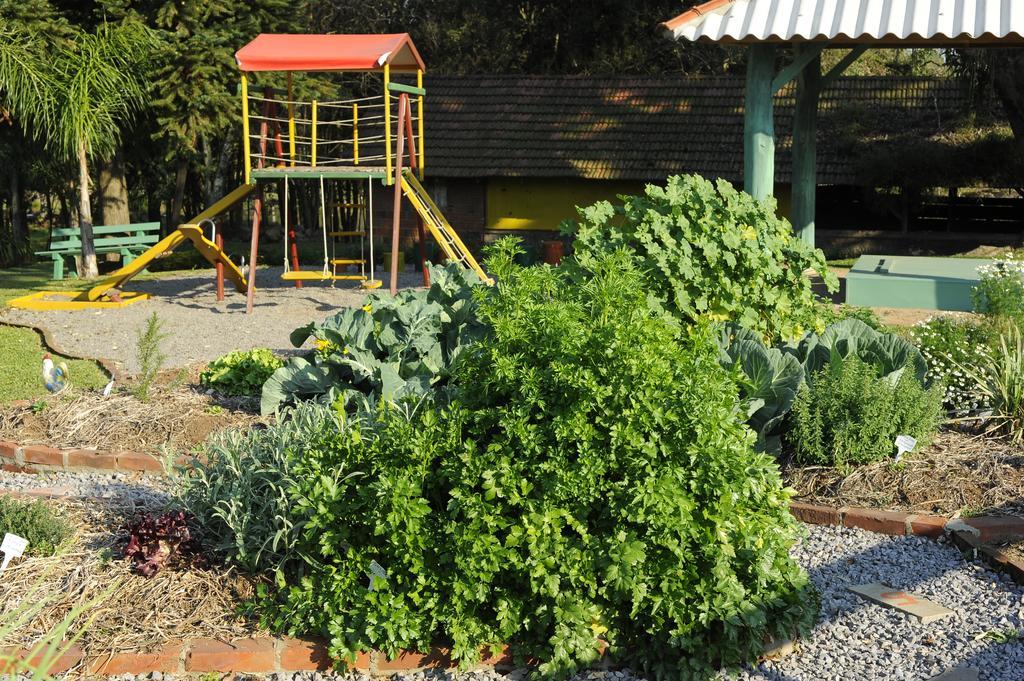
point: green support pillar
(759, 123)
(805, 149)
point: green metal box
(907, 281)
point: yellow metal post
(245, 125)
(419, 110)
(387, 124)
(291, 121)
(312, 142)
(355, 134)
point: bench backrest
(105, 236)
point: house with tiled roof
(516, 154)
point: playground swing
(363, 228)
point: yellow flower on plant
(368, 308)
(748, 232)
(597, 627)
(321, 344)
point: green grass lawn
(21, 366)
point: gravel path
(854, 639)
(200, 328)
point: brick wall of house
(463, 202)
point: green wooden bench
(128, 240)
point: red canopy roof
(306, 52)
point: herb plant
(709, 251)
(45, 530)
(848, 415)
(242, 372)
(238, 491)
(587, 479)
(769, 377)
(149, 355)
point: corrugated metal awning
(893, 23)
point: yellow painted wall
(542, 204)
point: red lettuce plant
(154, 542)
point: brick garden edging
(255, 655)
(970, 535)
(15, 458)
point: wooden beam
(844, 63)
(805, 149)
(759, 124)
(802, 56)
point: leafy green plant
(242, 372)
(149, 356)
(949, 345)
(829, 314)
(1000, 291)
(850, 415)
(589, 475)
(999, 377)
(769, 377)
(394, 347)
(45, 530)
(238, 491)
(710, 252)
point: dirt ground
(199, 328)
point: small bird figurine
(55, 377)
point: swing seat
(347, 261)
(348, 233)
(306, 275)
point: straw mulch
(175, 417)
(957, 474)
(129, 613)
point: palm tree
(26, 110)
(102, 79)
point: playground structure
(335, 150)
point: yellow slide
(191, 231)
(443, 232)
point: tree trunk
(1007, 82)
(114, 192)
(19, 227)
(88, 263)
(180, 176)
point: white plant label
(376, 572)
(13, 546)
(904, 444)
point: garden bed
(177, 416)
(134, 613)
(959, 474)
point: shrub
(1000, 292)
(999, 376)
(845, 415)
(951, 346)
(589, 476)
(393, 347)
(242, 372)
(45, 530)
(710, 252)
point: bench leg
(58, 267)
